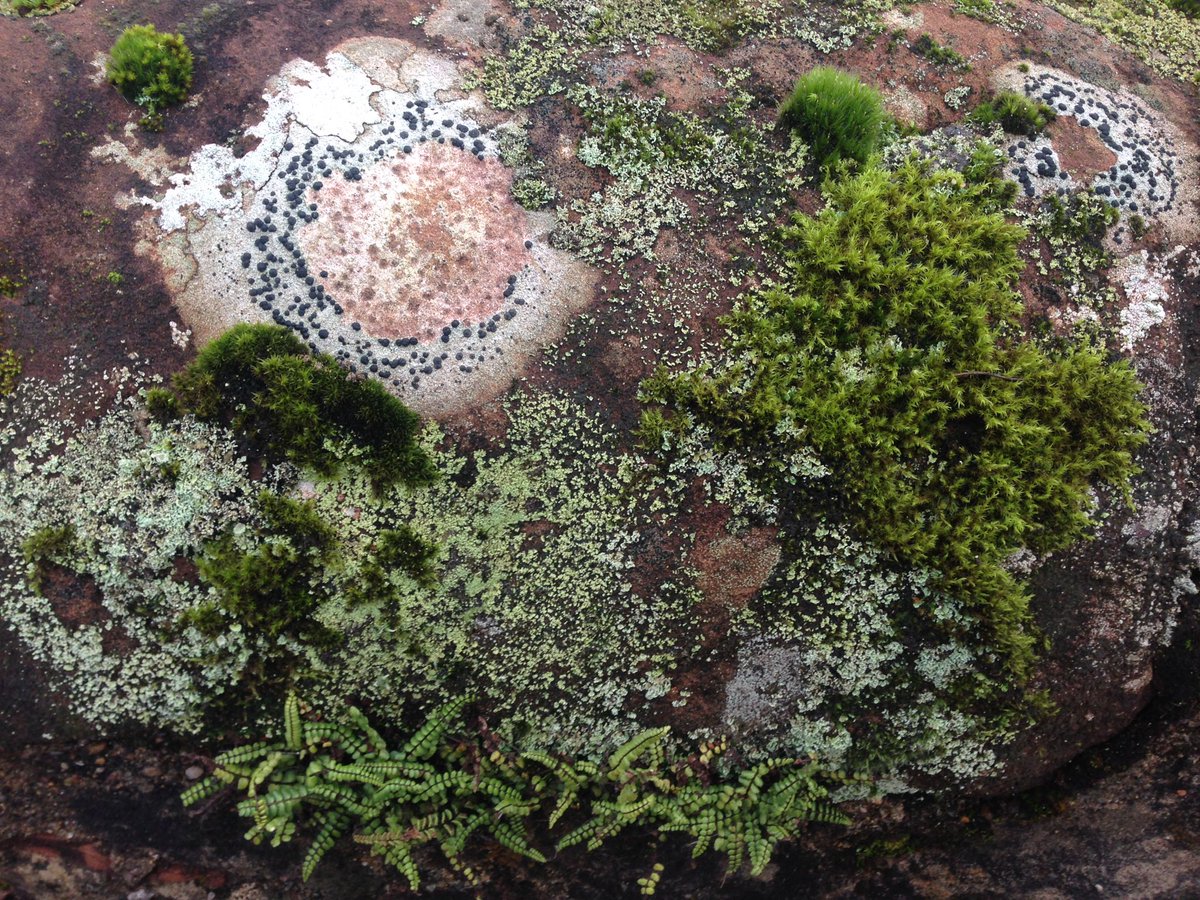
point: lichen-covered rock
(587, 587)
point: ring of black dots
(281, 283)
(1144, 170)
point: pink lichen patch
(419, 241)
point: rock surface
(1109, 608)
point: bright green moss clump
(151, 69)
(837, 115)
(295, 404)
(890, 349)
(37, 7)
(1016, 113)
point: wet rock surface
(100, 817)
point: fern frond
(264, 770)
(457, 841)
(333, 824)
(514, 840)
(583, 833)
(423, 745)
(394, 848)
(373, 737)
(293, 733)
(245, 754)
(565, 802)
(201, 790)
(343, 798)
(444, 783)
(649, 741)
(318, 733)
(277, 802)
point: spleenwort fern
(444, 792)
(745, 819)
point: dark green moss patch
(294, 404)
(43, 546)
(939, 54)
(268, 586)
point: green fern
(434, 791)
(424, 743)
(293, 731)
(201, 790)
(331, 826)
(394, 847)
(649, 741)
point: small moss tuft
(266, 583)
(151, 69)
(42, 546)
(838, 116)
(1015, 113)
(939, 54)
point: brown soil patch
(775, 66)
(426, 240)
(77, 602)
(75, 598)
(734, 567)
(471, 25)
(1080, 150)
(684, 76)
(979, 40)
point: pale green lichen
(134, 495)
(956, 98)
(866, 667)
(727, 163)
(533, 193)
(1162, 36)
(533, 609)
(621, 25)
(551, 55)
(529, 187)
(539, 65)
(1073, 228)
(994, 12)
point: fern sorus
(343, 778)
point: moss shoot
(838, 116)
(153, 70)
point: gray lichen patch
(375, 219)
(865, 667)
(533, 608)
(1154, 172)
